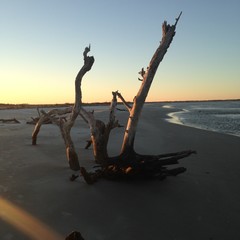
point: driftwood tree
(128, 164)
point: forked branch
(124, 101)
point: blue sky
(42, 44)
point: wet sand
(202, 203)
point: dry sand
(37, 197)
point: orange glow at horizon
(95, 90)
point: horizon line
(108, 102)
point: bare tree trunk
(168, 33)
(100, 131)
(99, 142)
(67, 126)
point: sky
(42, 44)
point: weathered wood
(100, 131)
(73, 177)
(137, 167)
(35, 120)
(128, 164)
(89, 143)
(168, 33)
(48, 118)
(9, 120)
(66, 126)
(75, 235)
(119, 95)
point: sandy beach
(37, 197)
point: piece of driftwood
(89, 143)
(9, 120)
(128, 164)
(139, 167)
(36, 119)
(120, 109)
(75, 235)
(66, 124)
(48, 119)
(100, 131)
(73, 177)
(168, 32)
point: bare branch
(178, 19)
(58, 111)
(124, 101)
(9, 120)
(142, 73)
(88, 117)
(38, 112)
(112, 123)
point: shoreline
(172, 118)
(176, 116)
(202, 203)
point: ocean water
(219, 116)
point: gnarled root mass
(134, 166)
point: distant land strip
(57, 105)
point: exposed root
(134, 166)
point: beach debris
(45, 120)
(75, 235)
(129, 164)
(89, 143)
(9, 120)
(73, 177)
(120, 109)
(138, 167)
(36, 119)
